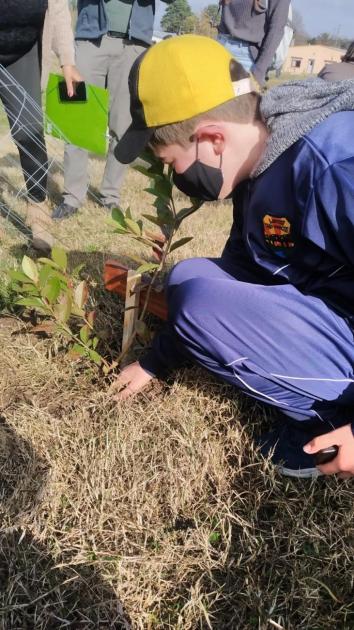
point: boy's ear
(214, 133)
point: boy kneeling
(274, 315)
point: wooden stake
(131, 311)
(115, 279)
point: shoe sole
(301, 473)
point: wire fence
(25, 129)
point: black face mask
(200, 180)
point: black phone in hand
(80, 95)
(326, 455)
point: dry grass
(159, 513)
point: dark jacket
(20, 27)
(92, 22)
(258, 25)
(302, 229)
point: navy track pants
(277, 345)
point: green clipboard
(84, 123)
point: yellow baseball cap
(177, 79)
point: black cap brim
(132, 143)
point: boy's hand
(130, 381)
(344, 462)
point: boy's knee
(183, 271)
(189, 302)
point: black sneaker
(63, 211)
(286, 444)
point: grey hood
(292, 109)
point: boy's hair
(242, 109)
(349, 54)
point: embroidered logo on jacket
(277, 232)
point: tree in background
(208, 21)
(301, 36)
(177, 18)
(190, 24)
(326, 39)
(212, 11)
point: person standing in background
(252, 30)
(29, 30)
(340, 71)
(110, 34)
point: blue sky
(333, 16)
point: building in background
(310, 59)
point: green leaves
(161, 188)
(51, 289)
(147, 268)
(32, 302)
(155, 164)
(15, 274)
(60, 258)
(124, 223)
(78, 351)
(186, 212)
(45, 272)
(118, 217)
(180, 242)
(153, 219)
(81, 294)
(62, 310)
(133, 226)
(30, 268)
(95, 357)
(164, 212)
(85, 333)
(49, 262)
(148, 172)
(47, 288)
(214, 538)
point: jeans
(239, 49)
